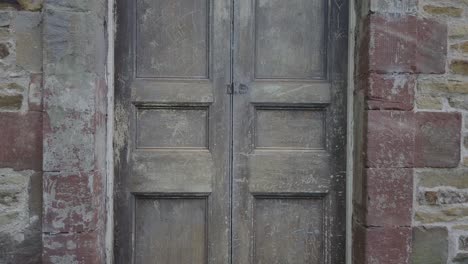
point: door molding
(110, 124)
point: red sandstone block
(403, 44)
(73, 203)
(438, 137)
(21, 141)
(390, 139)
(393, 43)
(387, 245)
(389, 197)
(82, 248)
(390, 91)
(431, 52)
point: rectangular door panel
(289, 131)
(172, 137)
(170, 231)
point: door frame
(110, 126)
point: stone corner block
(387, 245)
(389, 197)
(73, 202)
(438, 138)
(390, 91)
(73, 248)
(390, 139)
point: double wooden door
(230, 131)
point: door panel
(254, 173)
(172, 136)
(289, 132)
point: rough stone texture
(387, 245)
(70, 202)
(459, 67)
(29, 41)
(457, 178)
(443, 10)
(390, 92)
(20, 216)
(74, 104)
(73, 248)
(24, 131)
(429, 102)
(392, 6)
(431, 50)
(390, 139)
(31, 5)
(463, 243)
(430, 245)
(389, 198)
(437, 139)
(21, 134)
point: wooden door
(230, 131)
(289, 131)
(172, 138)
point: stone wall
(411, 182)
(441, 187)
(20, 132)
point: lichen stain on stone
(15, 217)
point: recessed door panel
(289, 131)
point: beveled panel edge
(288, 107)
(322, 197)
(166, 92)
(208, 48)
(167, 196)
(149, 106)
(291, 92)
(325, 75)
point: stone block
(390, 91)
(73, 202)
(387, 245)
(390, 139)
(458, 31)
(461, 47)
(430, 245)
(456, 178)
(459, 102)
(450, 11)
(430, 215)
(393, 43)
(4, 50)
(437, 139)
(459, 67)
(5, 18)
(394, 6)
(28, 32)
(21, 141)
(429, 102)
(389, 197)
(31, 5)
(431, 50)
(73, 248)
(11, 96)
(463, 243)
(35, 92)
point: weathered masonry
(242, 131)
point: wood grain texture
(172, 38)
(288, 230)
(170, 231)
(290, 39)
